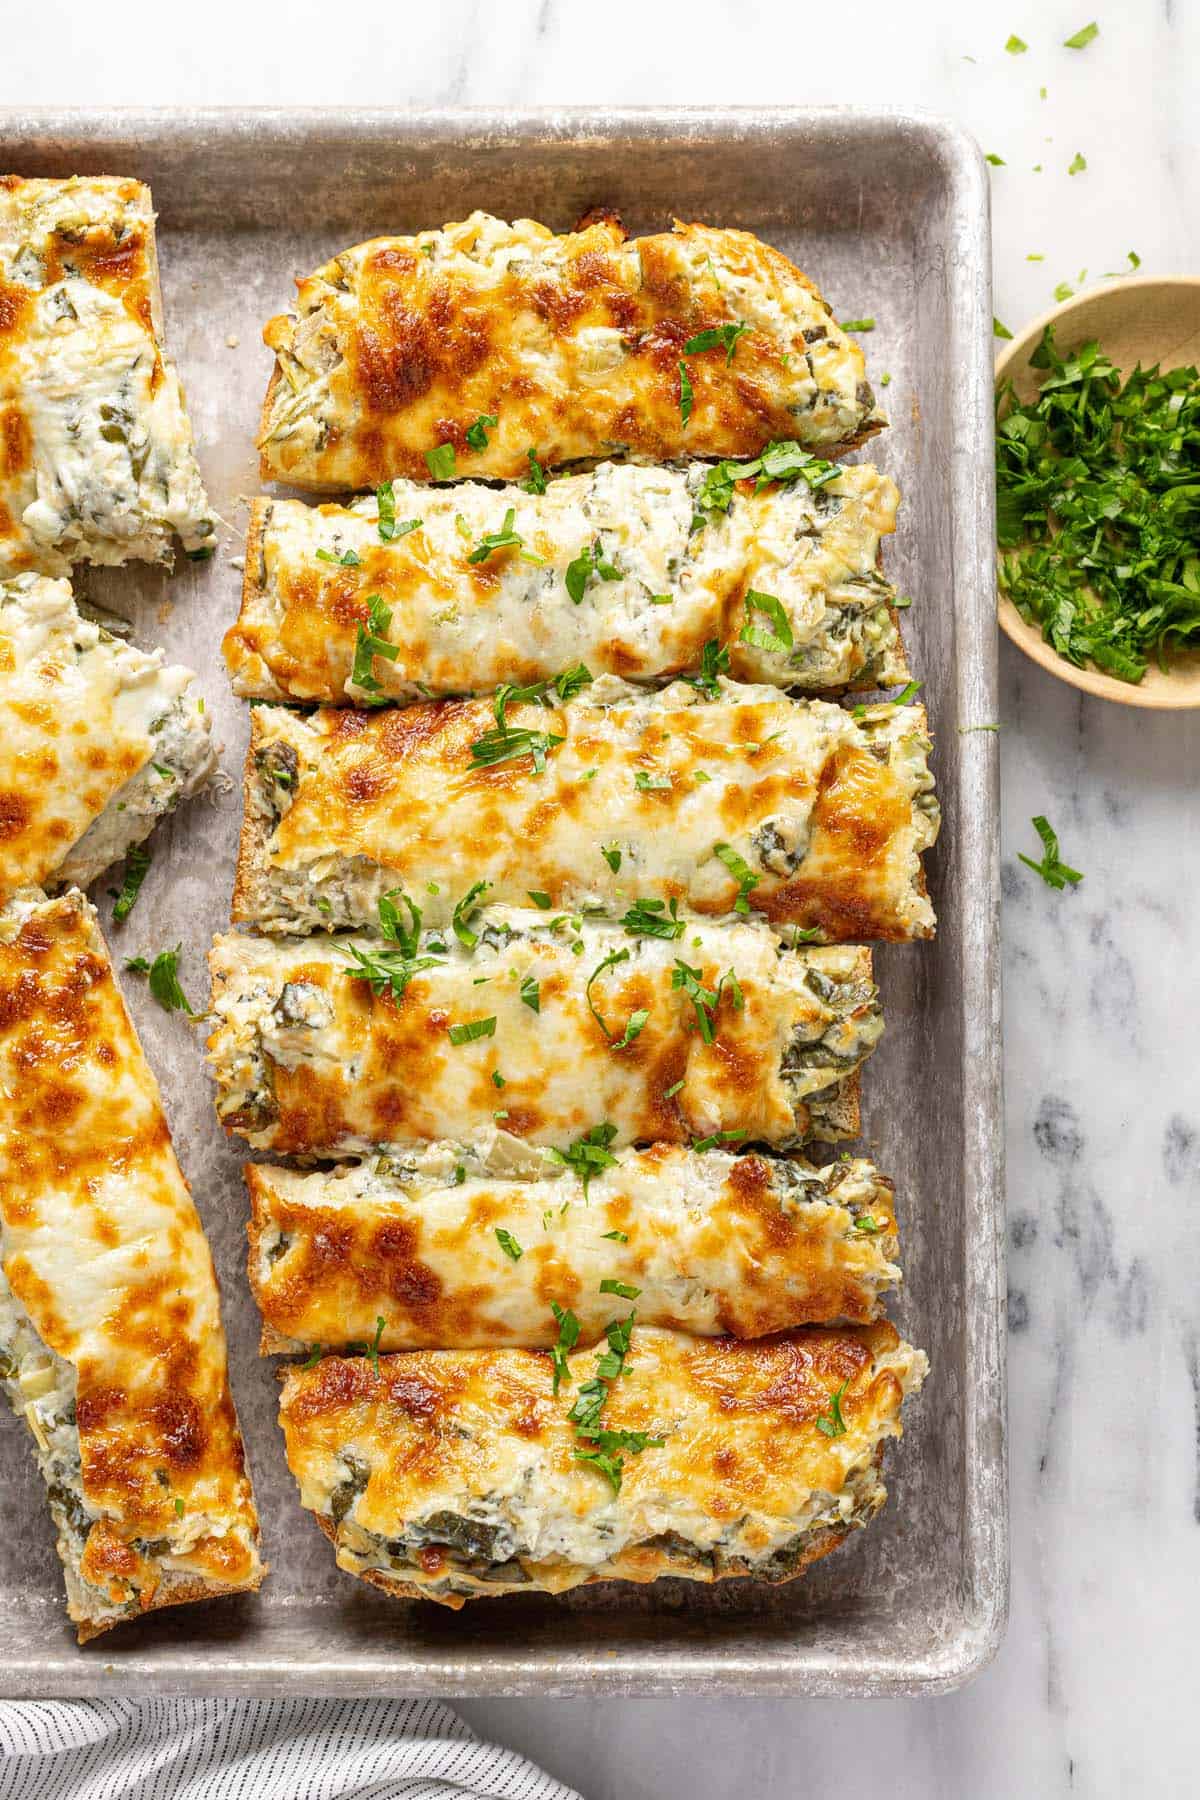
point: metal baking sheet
(888, 212)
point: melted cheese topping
(96, 457)
(669, 586)
(111, 1283)
(451, 1473)
(829, 813)
(309, 1060)
(97, 740)
(573, 344)
(713, 1243)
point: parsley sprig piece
(1098, 508)
(686, 395)
(714, 662)
(477, 434)
(779, 640)
(783, 460)
(504, 539)
(389, 528)
(742, 873)
(831, 1421)
(390, 969)
(603, 1449)
(1053, 871)
(371, 642)
(137, 866)
(589, 1154)
(506, 740)
(719, 337)
(636, 1019)
(651, 918)
(387, 969)
(163, 975)
(590, 561)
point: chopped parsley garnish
(572, 681)
(831, 1422)
(908, 694)
(1016, 46)
(686, 396)
(618, 1237)
(535, 482)
(599, 1447)
(590, 561)
(780, 640)
(370, 643)
(636, 1019)
(742, 873)
(1098, 508)
(612, 856)
(348, 559)
(700, 1145)
(646, 783)
(1135, 262)
(387, 969)
(509, 1244)
(857, 324)
(720, 337)
(997, 162)
(622, 1289)
(589, 1154)
(531, 993)
(1079, 40)
(1053, 871)
(714, 662)
(508, 740)
(472, 1029)
(163, 974)
(477, 434)
(498, 1080)
(505, 741)
(650, 918)
(1077, 164)
(805, 934)
(385, 499)
(568, 1337)
(462, 913)
(442, 463)
(392, 926)
(999, 330)
(783, 460)
(670, 1093)
(137, 864)
(371, 1350)
(504, 539)
(540, 900)
(179, 1506)
(704, 1000)
(604, 1456)
(868, 1223)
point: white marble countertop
(1091, 1691)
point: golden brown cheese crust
(743, 1459)
(311, 1061)
(573, 344)
(715, 1243)
(829, 813)
(103, 1249)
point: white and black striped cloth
(256, 1750)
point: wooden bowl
(1142, 318)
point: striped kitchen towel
(256, 1750)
